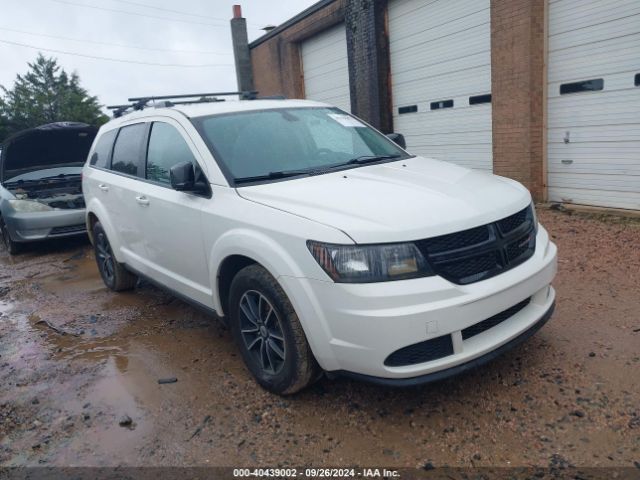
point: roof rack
(139, 103)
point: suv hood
(398, 201)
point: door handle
(142, 200)
(103, 187)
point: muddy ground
(78, 360)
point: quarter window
(167, 148)
(441, 104)
(126, 152)
(102, 152)
(582, 86)
(637, 80)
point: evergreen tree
(46, 94)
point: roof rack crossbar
(246, 94)
(140, 103)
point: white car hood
(398, 201)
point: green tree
(46, 94)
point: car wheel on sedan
(113, 273)
(269, 334)
(12, 247)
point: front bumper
(452, 371)
(355, 327)
(34, 226)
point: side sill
(184, 298)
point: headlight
(535, 217)
(25, 206)
(370, 263)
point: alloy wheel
(105, 258)
(261, 331)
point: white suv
(323, 244)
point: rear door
(171, 220)
(118, 188)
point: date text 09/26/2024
(315, 472)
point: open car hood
(46, 146)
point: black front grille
(512, 222)
(69, 229)
(482, 252)
(463, 239)
(421, 352)
(491, 322)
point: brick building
(543, 91)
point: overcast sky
(199, 35)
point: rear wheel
(113, 273)
(12, 247)
(268, 333)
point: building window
(408, 109)
(637, 80)
(583, 86)
(441, 104)
(478, 99)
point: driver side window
(166, 148)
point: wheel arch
(97, 213)
(237, 249)
(229, 268)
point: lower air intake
(421, 352)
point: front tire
(269, 334)
(12, 247)
(113, 273)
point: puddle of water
(79, 275)
(5, 307)
(101, 438)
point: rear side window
(127, 150)
(102, 152)
(167, 148)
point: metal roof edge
(292, 21)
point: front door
(171, 220)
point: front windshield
(57, 172)
(295, 140)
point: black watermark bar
(428, 472)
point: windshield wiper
(62, 175)
(370, 159)
(315, 171)
(21, 183)
(274, 175)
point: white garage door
(594, 102)
(326, 68)
(440, 55)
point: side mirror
(183, 177)
(398, 139)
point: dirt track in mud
(76, 360)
